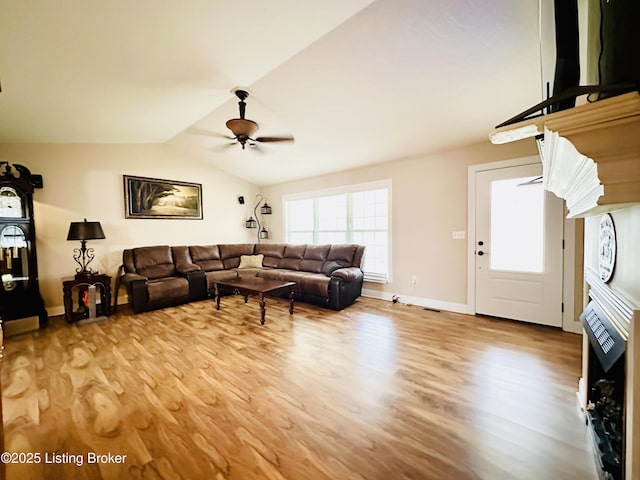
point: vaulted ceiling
(354, 81)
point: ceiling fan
(243, 129)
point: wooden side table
(86, 297)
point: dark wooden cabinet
(19, 291)
(86, 297)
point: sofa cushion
(272, 252)
(204, 252)
(308, 283)
(343, 254)
(210, 265)
(207, 257)
(154, 272)
(154, 262)
(290, 263)
(247, 272)
(272, 273)
(294, 251)
(293, 255)
(230, 254)
(317, 252)
(171, 287)
(145, 256)
(314, 266)
(251, 261)
(329, 267)
(314, 284)
(181, 257)
(219, 276)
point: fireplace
(605, 405)
(610, 384)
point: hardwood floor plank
(377, 391)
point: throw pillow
(329, 267)
(251, 261)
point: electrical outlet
(414, 279)
(458, 235)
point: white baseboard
(581, 394)
(422, 302)
(55, 311)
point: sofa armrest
(129, 278)
(184, 268)
(348, 273)
(136, 289)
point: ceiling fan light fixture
(242, 127)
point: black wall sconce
(251, 222)
(254, 220)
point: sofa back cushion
(272, 252)
(293, 255)
(181, 256)
(314, 258)
(154, 262)
(342, 254)
(207, 257)
(230, 253)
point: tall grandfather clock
(19, 292)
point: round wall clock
(607, 248)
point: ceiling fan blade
(256, 148)
(207, 133)
(223, 148)
(274, 139)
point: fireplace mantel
(591, 154)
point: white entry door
(518, 246)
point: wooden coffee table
(254, 286)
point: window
(517, 225)
(354, 214)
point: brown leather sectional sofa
(162, 276)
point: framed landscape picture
(156, 198)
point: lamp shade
(85, 231)
(251, 223)
(265, 209)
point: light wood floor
(377, 391)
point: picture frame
(146, 197)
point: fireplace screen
(606, 381)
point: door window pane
(517, 225)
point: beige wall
(85, 181)
(429, 201)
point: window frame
(345, 190)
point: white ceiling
(354, 81)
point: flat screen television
(619, 60)
(589, 42)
